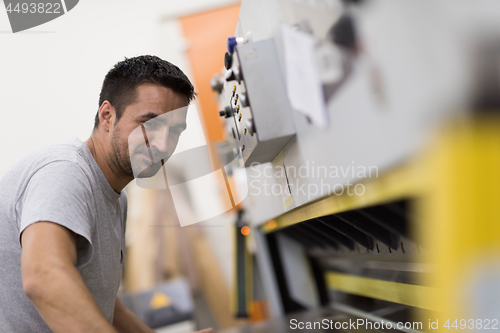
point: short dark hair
(121, 82)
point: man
(63, 208)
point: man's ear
(106, 115)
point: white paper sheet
(302, 76)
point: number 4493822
(47, 8)
(485, 324)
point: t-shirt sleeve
(60, 192)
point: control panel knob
(238, 74)
(227, 112)
(244, 100)
(233, 41)
(229, 76)
(217, 83)
(231, 44)
(250, 126)
(234, 74)
(228, 60)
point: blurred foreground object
(382, 207)
(164, 305)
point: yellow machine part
(460, 224)
(402, 293)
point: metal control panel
(258, 110)
(408, 99)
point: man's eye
(176, 131)
(152, 125)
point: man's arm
(53, 284)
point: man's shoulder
(57, 157)
(70, 151)
(67, 159)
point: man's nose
(160, 139)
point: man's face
(148, 131)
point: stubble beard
(120, 162)
(119, 159)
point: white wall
(51, 75)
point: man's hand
(53, 284)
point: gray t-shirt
(62, 184)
